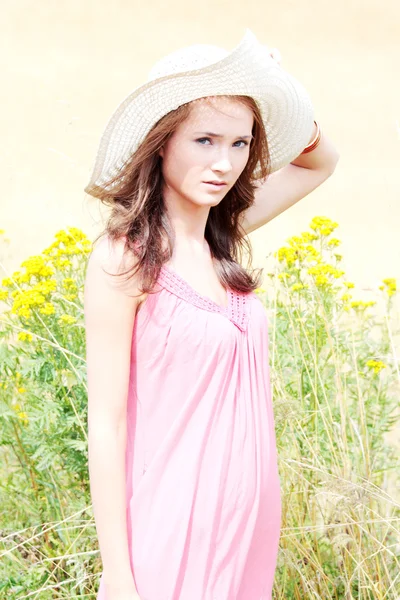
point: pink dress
(203, 488)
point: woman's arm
(109, 318)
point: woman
(182, 453)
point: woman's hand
(126, 592)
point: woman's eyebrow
(219, 135)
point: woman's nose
(222, 164)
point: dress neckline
(236, 310)
(192, 291)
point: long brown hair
(138, 213)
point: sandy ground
(66, 66)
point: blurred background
(66, 66)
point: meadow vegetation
(335, 381)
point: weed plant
(335, 383)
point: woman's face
(192, 156)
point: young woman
(182, 453)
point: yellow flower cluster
(47, 309)
(24, 336)
(323, 225)
(70, 285)
(390, 286)
(377, 365)
(322, 272)
(7, 282)
(24, 300)
(37, 296)
(334, 242)
(346, 297)
(37, 266)
(70, 242)
(296, 287)
(42, 267)
(66, 320)
(299, 248)
(61, 263)
(361, 304)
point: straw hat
(204, 70)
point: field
(336, 387)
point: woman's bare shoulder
(108, 260)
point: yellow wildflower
(3, 295)
(70, 320)
(25, 336)
(26, 299)
(289, 255)
(24, 417)
(324, 269)
(348, 284)
(7, 282)
(298, 286)
(46, 286)
(322, 281)
(62, 262)
(17, 276)
(376, 365)
(334, 242)
(24, 312)
(390, 283)
(69, 283)
(346, 297)
(361, 305)
(77, 234)
(36, 265)
(308, 236)
(47, 309)
(323, 225)
(299, 248)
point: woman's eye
(200, 140)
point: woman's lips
(215, 186)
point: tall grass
(335, 380)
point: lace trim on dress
(237, 309)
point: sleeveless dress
(203, 490)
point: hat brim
(249, 70)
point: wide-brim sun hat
(204, 70)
